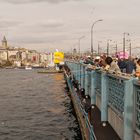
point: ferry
(28, 67)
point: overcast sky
(49, 24)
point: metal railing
(137, 105)
(89, 128)
(116, 93)
(120, 93)
(98, 82)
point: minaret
(4, 43)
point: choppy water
(35, 107)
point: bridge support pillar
(93, 86)
(128, 110)
(86, 82)
(82, 76)
(104, 98)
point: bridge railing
(117, 96)
(89, 128)
(98, 82)
(116, 93)
(137, 105)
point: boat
(50, 71)
(28, 67)
(9, 67)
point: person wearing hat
(97, 61)
(89, 60)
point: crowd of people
(112, 64)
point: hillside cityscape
(17, 57)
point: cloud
(8, 24)
(36, 1)
(43, 27)
(51, 24)
(39, 39)
(34, 39)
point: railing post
(128, 110)
(75, 71)
(89, 82)
(93, 86)
(72, 69)
(82, 76)
(70, 66)
(78, 72)
(84, 73)
(86, 82)
(104, 97)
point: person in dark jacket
(87, 107)
(82, 93)
(75, 84)
(122, 64)
(130, 66)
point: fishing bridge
(115, 101)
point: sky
(46, 25)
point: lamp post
(109, 40)
(124, 44)
(73, 48)
(79, 42)
(130, 52)
(92, 35)
(130, 47)
(99, 47)
(116, 48)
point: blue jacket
(130, 66)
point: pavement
(101, 132)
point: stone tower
(4, 43)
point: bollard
(104, 98)
(128, 110)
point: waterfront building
(33, 57)
(3, 54)
(12, 54)
(43, 59)
(4, 51)
(20, 56)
